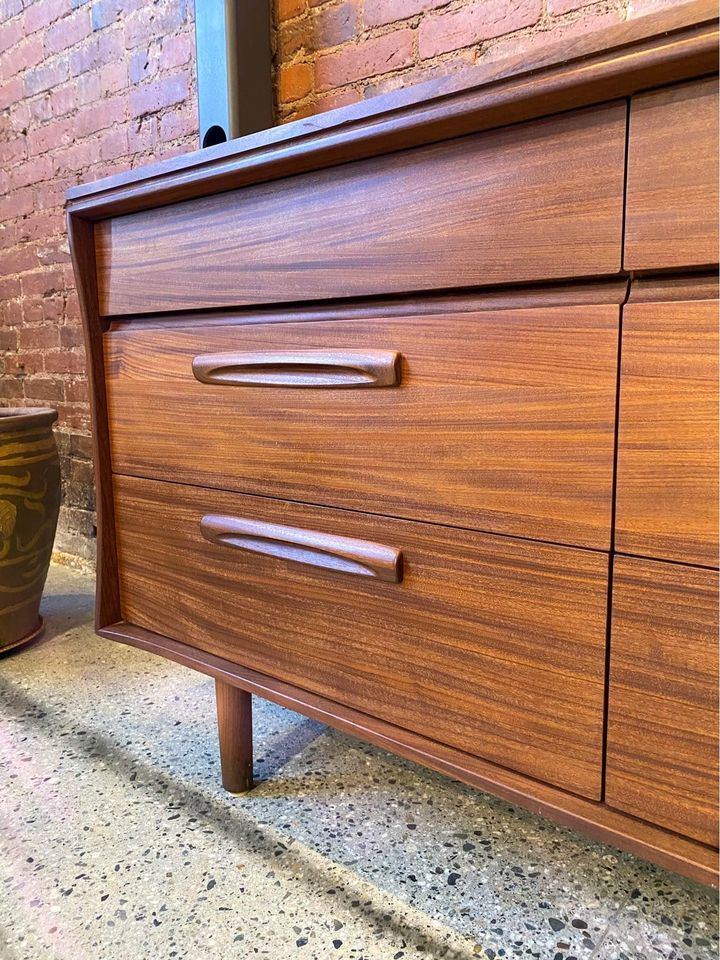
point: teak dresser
(406, 418)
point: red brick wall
(86, 89)
(333, 52)
(92, 87)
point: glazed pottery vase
(29, 506)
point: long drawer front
(489, 644)
(497, 420)
(534, 201)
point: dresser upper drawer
(489, 644)
(672, 203)
(538, 200)
(499, 420)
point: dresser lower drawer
(662, 753)
(496, 419)
(488, 644)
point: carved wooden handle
(344, 554)
(300, 368)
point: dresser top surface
(669, 46)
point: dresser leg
(234, 710)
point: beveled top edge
(18, 418)
(290, 136)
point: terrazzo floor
(117, 840)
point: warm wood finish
(645, 52)
(662, 760)
(538, 200)
(234, 712)
(359, 558)
(504, 420)
(592, 818)
(490, 635)
(667, 495)
(107, 595)
(332, 369)
(214, 289)
(672, 205)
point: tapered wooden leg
(234, 710)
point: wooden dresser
(406, 417)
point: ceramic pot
(29, 506)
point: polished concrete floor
(117, 840)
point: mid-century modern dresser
(406, 418)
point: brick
(104, 12)
(99, 116)
(10, 92)
(378, 55)
(452, 30)
(142, 66)
(84, 57)
(8, 339)
(21, 56)
(291, 38)
(559, 7)
(66, 32)
(31, 172)
(18, 260)
(49, 136)
(77, 392)
(113, 77)
(17, 203)
(11, 390)
(47, 389)
(152, 22)
(378, 13)
(156, 95)
(46, 75)
(71, 336)
(179, 123)
(10, 9)
(40, 283)
(65, 361)
(114, 144)
(295, 81)
(39, 338)
(334, 25)
(177, 51)
(40, 15)
(287, 9)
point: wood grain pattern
(504, 420)
(107, 595)
(672, 205)
(662, 753)
(536, 201)
(594, 819)
(502, 642)
(667, 488)
(331, 369)
(234, 713)
(644, 52)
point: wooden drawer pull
(300, 368)
(345, 554)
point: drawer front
(672, 204)
(491, 645)
(662, 755)
(667, 499)
(538, 200)
(502, 420)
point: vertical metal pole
(234, 68)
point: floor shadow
(234, 823)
